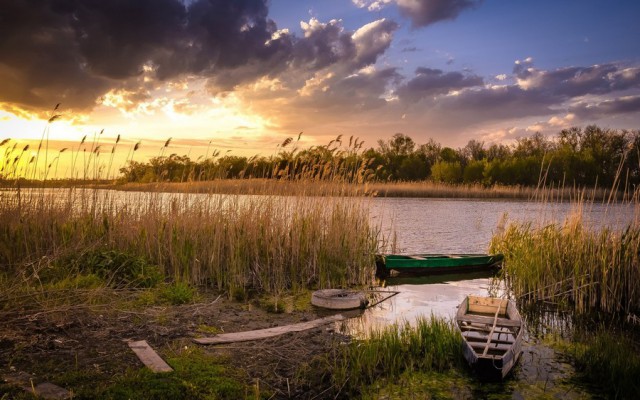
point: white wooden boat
(492, 330)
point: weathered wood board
(149, 357)
(44, 390)
(267, 333)
(489, 320)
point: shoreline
(322, 188)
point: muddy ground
(93, 338)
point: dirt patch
(93, 339)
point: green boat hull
(437, 263)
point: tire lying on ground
(339, 299)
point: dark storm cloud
(72, 51)
(40, 61)
(623, 105)
(430, 82)
(75, 51)
(426, 12)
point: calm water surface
(461, 226)
(466, 226)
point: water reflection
(418, 296)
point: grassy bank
(311, 187)
(431, 345)
(607, 361)
(237, 244)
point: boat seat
(417, 258)
(474, 326)
(483, 340)
(480, 319)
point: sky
(238, 77)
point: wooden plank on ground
(267, 333)
(44, 390)
(149, 357)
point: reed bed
(471, 191)
(238, 244)
(309, 187)
(253, 186)
(431, 344)
(571, 264)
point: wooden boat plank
(493, 328)
(485, 328)
(492, 346)
(474, 339)
(149, 357)
(481, 319)
(267, 333)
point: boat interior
(487, 326)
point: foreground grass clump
(195, 376)
(239, 244)
(592, 271)
(607, 361)
(431, 345)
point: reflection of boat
(430, 279)
(436, 263)
(492, 330)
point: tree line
(590, 156)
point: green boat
(436, 263)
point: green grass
(431, 345)
(607, 362)
(195, 376)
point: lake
(466, 226)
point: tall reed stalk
(591, 270)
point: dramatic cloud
(622, 105)
(430, 82)
(72, 51)
(576, 81)
(84, 52)
(423, 12)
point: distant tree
(395, 151)
(474, 150)
(413, 168)
(474, 171)
(498, 152)
(447, 172)
(536, 145)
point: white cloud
(561, 122)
